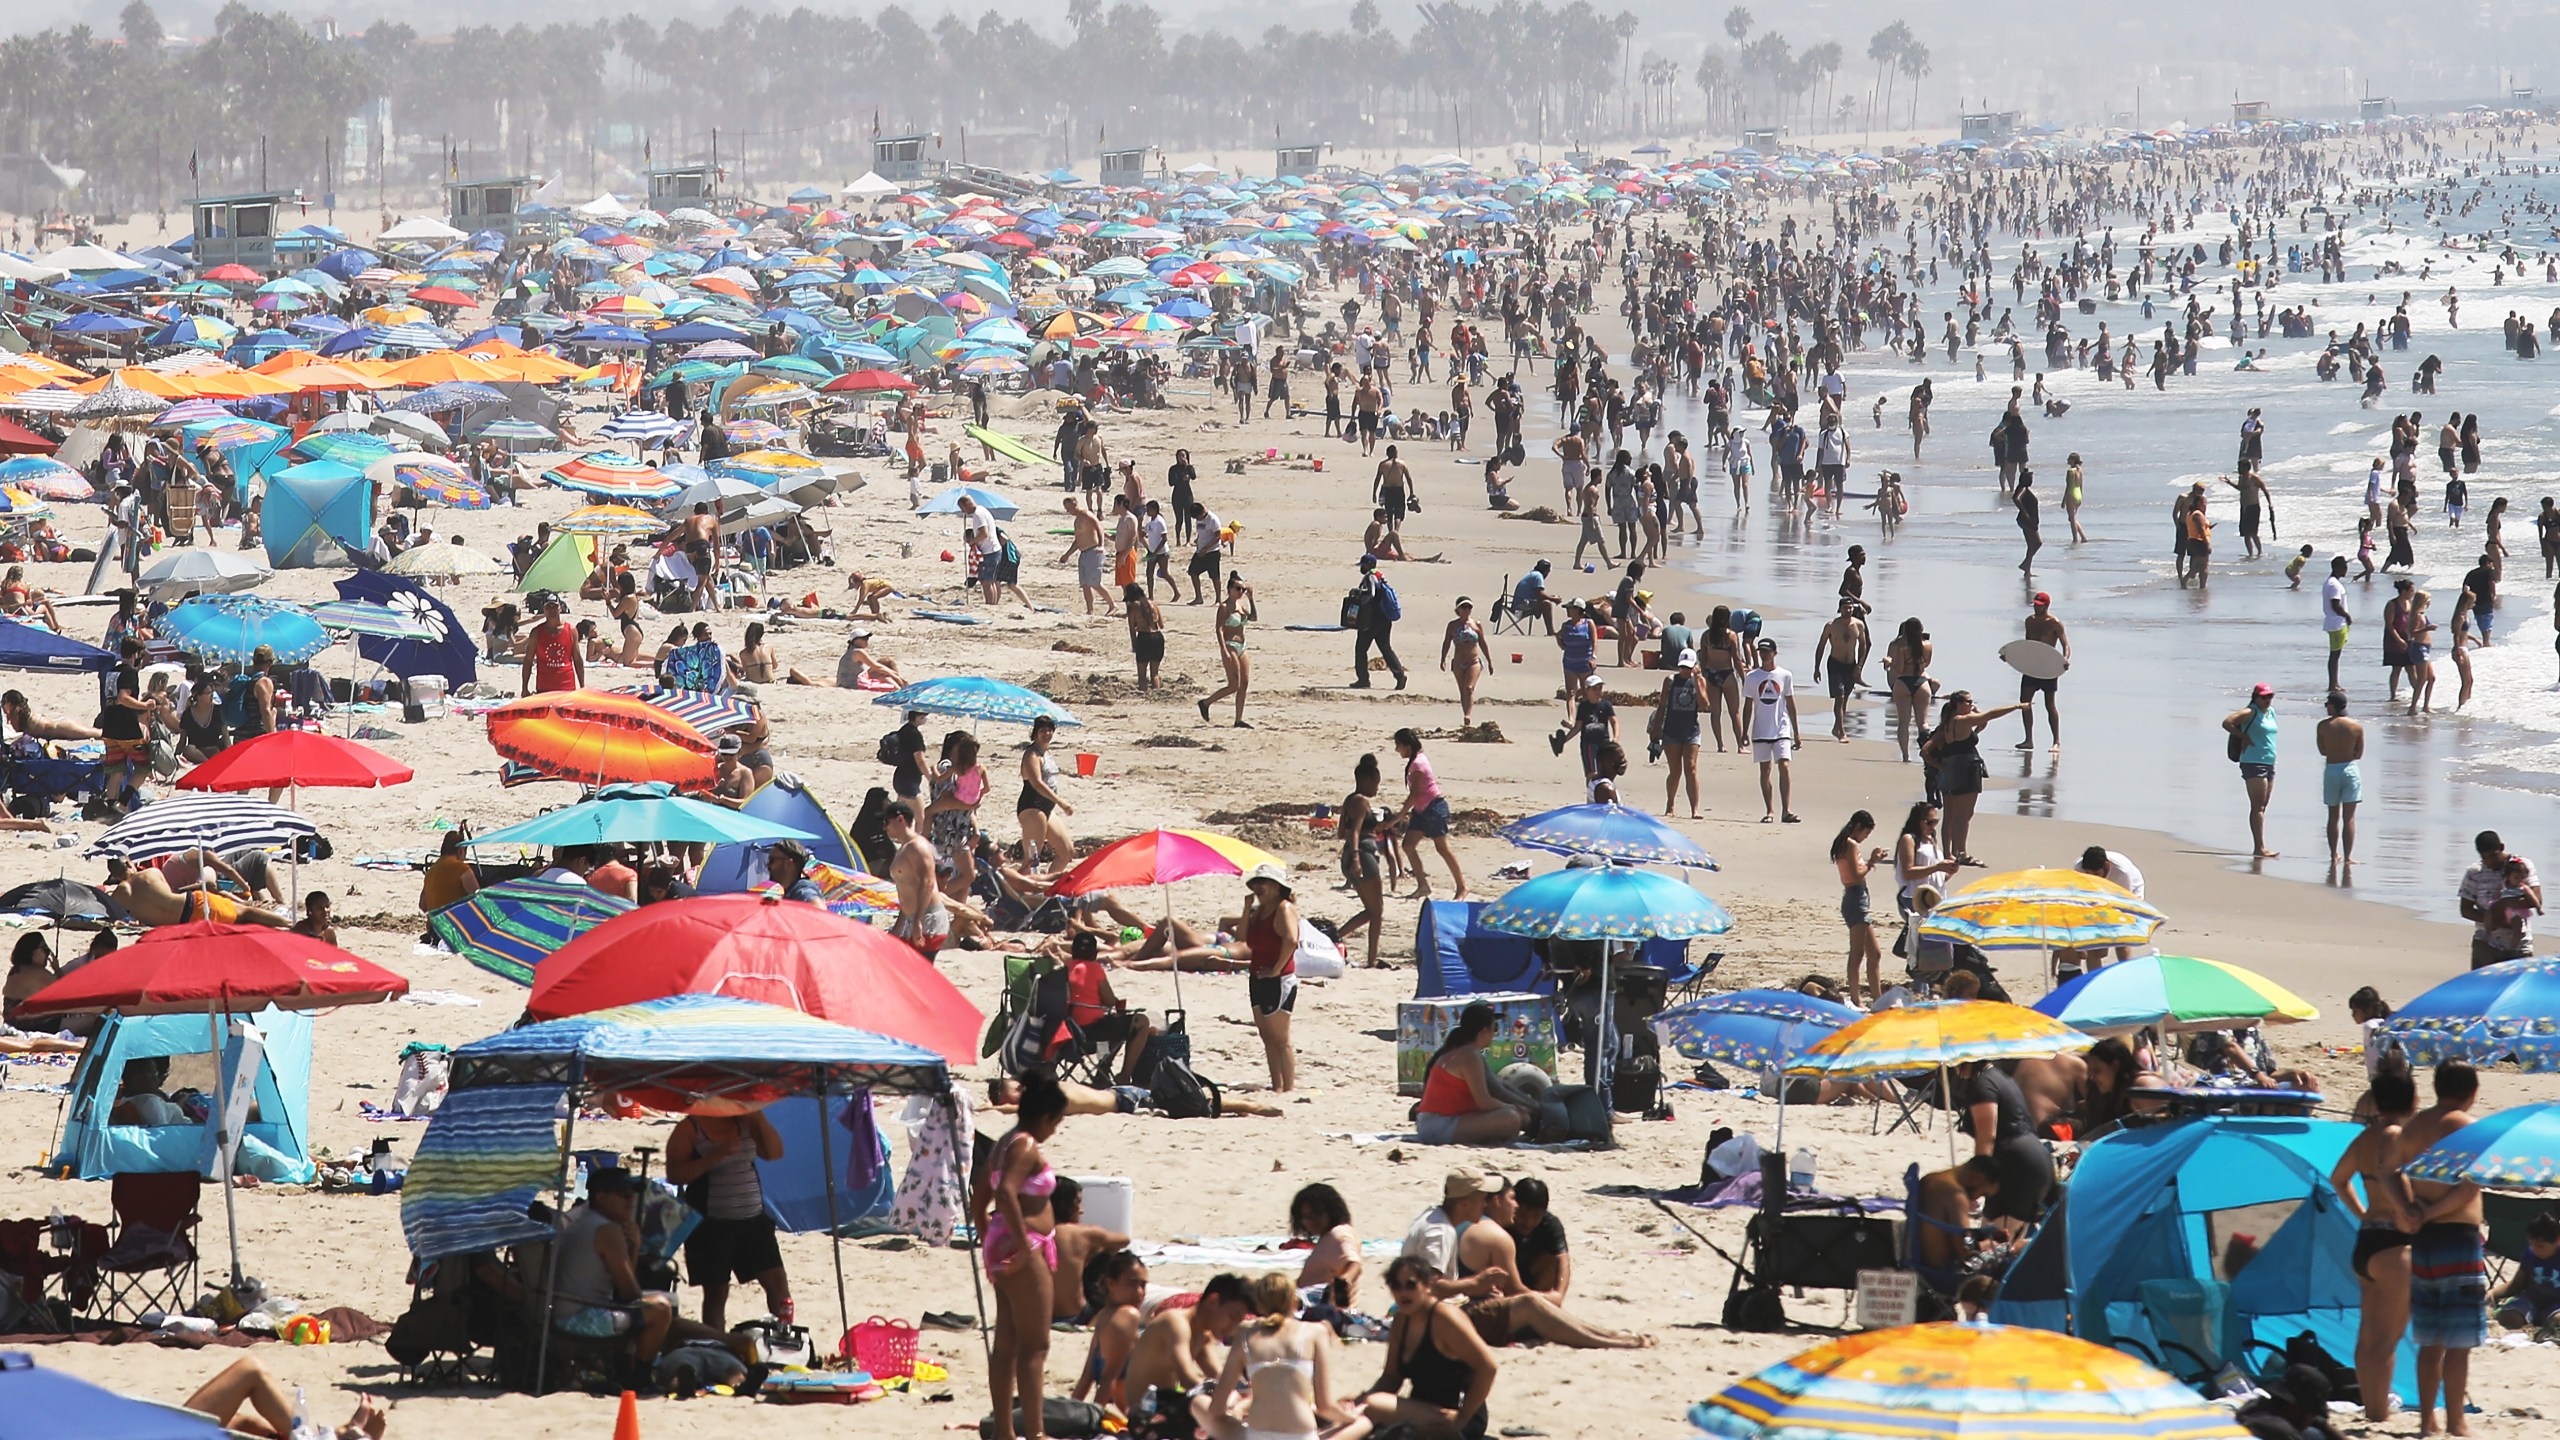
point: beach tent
(273, 1146)
(25, 647)
(2198, 1242)
(562, 565)
(1455, 955)
(735, 869)
(796, 1191)
(312, 520)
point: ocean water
(2157, 667)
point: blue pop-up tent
(735, 869)
(2200, 1242)
(315, 511)
(25, 647)
(274, 1145)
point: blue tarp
(795, 1186)
(2234, 1212)
(272, 1145)
(1455, 955)
(310, 513)
(24, 647)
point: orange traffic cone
(626, 1426)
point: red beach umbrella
(295, 758)
(754, 947)
(226, 969)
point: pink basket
(886, 1348)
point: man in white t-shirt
(1433, 1236)
(2115, 866)
(2334, 619)
(1769, 703)
(978, 532)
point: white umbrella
(201, 572)
(441, 562)
(413, 424)
(421, 227)
(871, 187)
(716, 491)
(351, 420)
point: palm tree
(1624, 26)
(1821, 63)
(1081, 14)
(1737, 23)
(1715, 81)
(1885, 48)
(1915, 63)
(1364, 18)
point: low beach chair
(150, 1262)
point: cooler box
(1527, 1022)
(1110, 1201)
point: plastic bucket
(1085, 765)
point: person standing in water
(2043, 628)
(2334, 618)
(2030, 519)
(2074, 495)
(2341, 742)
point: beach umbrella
(410, 425)
(218, 823)
(511, 430)
(232, 627)
(46, 477)
(701, 709)
(441, 562)
(352, 448)
(38, 1403)
(2506, 1012)
(1612, 832)
(866, 382)
(1160, 857)
(429, 477)
(977, 698)
(715, 490)
(608, 522)
(640, 814)
(610, 476)
(596, 737)
(212, 969)
(1913, 1038)
(1757, 1029)
(646, 427)
(2043, 910)
(995, 503)
(2518, 1147)
(61, 900)
(1605, 902)
(187, 412)
(1972, 1381)
(2173, 992)
(750, 947)
(295, 758)
(508, 927)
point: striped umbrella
(362, 617)
(645, 427)
(755, 432)
(1161, 857)
(975, 697)
(430, 477)
(2175, 992)
(764, 465)
(353, 448)
(19, 505)
(611, 476)
(413, 336)
(510, 430)
(195, 820)
(2042, 910)
(507, 928)
(43, 400)
(232, 627)
(1962, 1382)
(187, 412)
(1914, 1038)
(595, 737)
(45, 476)
(701, 709)
(620, 522)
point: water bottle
(303, 1429)
(1800, 1168)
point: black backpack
(1181, 1095)
(891, 752)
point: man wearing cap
(2042, 628)
(1841, 651)
(1374, 624)
(1769, 699)
(2253, 732)
(597, 1292)
(552, 659)
(787, 864)
(1433, 1238)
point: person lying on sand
(1004, 1093)
(245, 1399)
(147, 897)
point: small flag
(191, 165)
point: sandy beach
(1159, 765)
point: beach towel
(698, 666)
(1245, 1252)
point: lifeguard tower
(899, 157)
(2373, 107)
(1124, 169)
(681, 185)
(1991, 127)
(1298, 160)
(2245, 113)
(472, 206)
(242, 229)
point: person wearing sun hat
(1269, 931)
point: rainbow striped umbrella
(620, 522)
(2042, 910)
(1145, 331)
(45, 476)
(508, 927)
(1915, 1038)
(612, 476)
(1161, 857)
(430, 477)
(2176, 992)
(1962, 1382)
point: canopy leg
(551, 1266)
(222, 1146)
(835, 1227)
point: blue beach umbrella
(2502, 1012)
(1613, 832)
(1606, 902)
(993, 502)
(977, 698)
(1756, 1029)
(507, 928)
(232, 627)
(640, 813)
(2519, 1147)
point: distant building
(242, 229)
(899, 157)
(680, 185)
(1126, 169)
(1991, 127)
(1766, 139)
(1299, 160)
(2373, 107)
(2245, 113)
(475, 205)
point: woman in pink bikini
(1014, 1222)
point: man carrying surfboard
(2040, 659)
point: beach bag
(1067, 1419)
(2236, 742)
(1571, 1112)
(1181, 1095)
(1390, 608)
(426, 1073)
(1351, 605)
(696, 1366)
(1027, 1043)
(888, 752)
(235, 701)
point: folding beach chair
(150, 1262)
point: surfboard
(2033, 658)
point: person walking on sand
(1770, 694)
(1234, 609)
(1675, 729)
(2253, 746)
(2335, 622)
(1375, 624)
(1426, 817)
(2341, 742)
(1085, 548)
(1857, 910)
(2448, 1267)
(2030, 520)
(2043, 628)
(1462, 651)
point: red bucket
(1085, 765)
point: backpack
(235, 701)
(2236, 742)
(1043, 1011)
(1389, 607)
(890, 752)
(1006, 550)
(1182, 1095)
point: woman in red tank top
(1458, 1104)
(1270, 933)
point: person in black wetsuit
(1432, 1348)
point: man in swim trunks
(923, 920)
(147, 897)
(2043, 628)
(1841, 651)
(2334, 618)
(2448, 1267)
(2341, 742)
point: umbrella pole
(1602, 1040)
(835, 1227)
(221, 1125)
(1172, 949)
(977, 1242)
(1947, 1101)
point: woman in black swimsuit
(2382, 1234)
(1955, 749)
(1719, 658)
(1434, 1347)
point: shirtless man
(1079, 1245)
(2448, 1269)
(1949, 1197)
(146, 897)
(1844, 642)
(2341, 742)
(1085, 548)
(2042, 626)
(701, 527)
(2052, 1085)
(1392, 490)
(923, 920)
(1180, 1348)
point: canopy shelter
(313, 520)
(2200, 1242)
(500, 1137)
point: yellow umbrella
(1933, 1036)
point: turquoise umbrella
(640, 813)
(1606, 902)
(232, 627)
